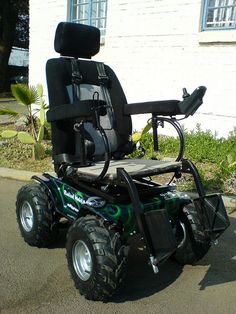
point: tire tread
(105, 244)
(196, 245)
(45, 230)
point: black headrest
(77, 40)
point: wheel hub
(82, 260)
(27, 216)
(184, 235)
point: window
(90, 12)
(219, 14)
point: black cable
(104, 138)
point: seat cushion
(137, 168)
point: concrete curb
(22, 175)
(230, 202)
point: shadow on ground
(221, 259)
(141, 282)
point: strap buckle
(76, 78)
(102, 76)
(76, 75)
(103, 79)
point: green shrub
(214, 157)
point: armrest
(82, 109)
(164, 107)
(169, 107)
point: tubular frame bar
(178, 128)
(125, 179)
(189, 167)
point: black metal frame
(133, 189)
(131, 185)
(159, 121)
(189, 167)
(127, 181)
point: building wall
(156, 49)
(44, 17)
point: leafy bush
(215, 157)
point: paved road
(36, 280)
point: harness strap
(104, 83)
(76, 79)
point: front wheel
(95, 258)
(34, 216)
(193, 244)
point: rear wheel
(95, 258)
(193, 244)
(34, 216)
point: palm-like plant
(27, 96)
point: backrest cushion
(59, 76)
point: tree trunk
(8, 20)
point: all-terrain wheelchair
(105, 196)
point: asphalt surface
(36, 280)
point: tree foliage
(14, 30)
(22, 26)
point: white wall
(44, 17)
(154, 48)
